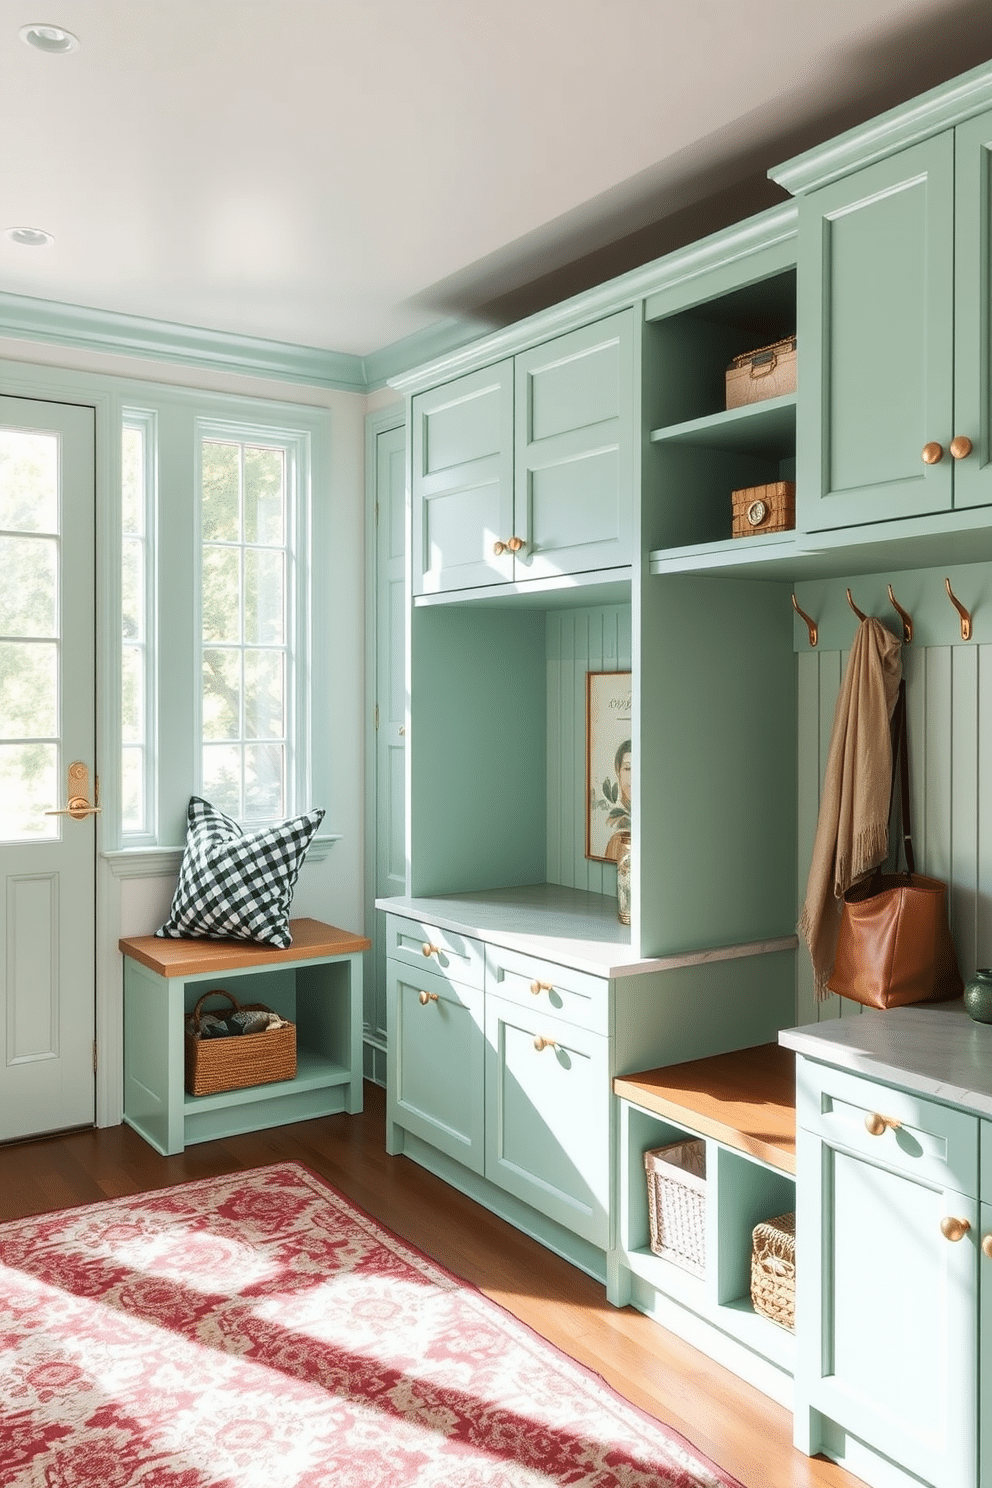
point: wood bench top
(312, 939)
(745, 1099)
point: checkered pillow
(236, 885)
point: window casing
(137, 660)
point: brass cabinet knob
(426, 997)
(537, 987)
(932, 453)
(877, 1124)
(544, 1043)
(987, 1247)
(960, 447)
(430, 950)
(515, 544)
(499, 548)
(954, 1229)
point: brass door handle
(426, 997)
(544, 1043)
(77, 794)
(932, 453)
(960, 447)
(954, 1229)
(515, 544)
(876, 1124)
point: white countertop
(569, 926)
(934, 1050)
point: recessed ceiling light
(46, 38)
(29, 237)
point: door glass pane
(29, 481)
(29, 607)
(28, 690)
(28, 788)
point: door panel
(973, 310)
(47, 722)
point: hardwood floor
(728, 1420)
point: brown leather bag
(894, 945)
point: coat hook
(860, 614)
(907, 620)
(965, 616)
(810, 623)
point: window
(251, 647)
(137, 732)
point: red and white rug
(258, 1331)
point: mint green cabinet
(886, 1302)
(894, 335)
(523, 470)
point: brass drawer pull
(877, 1124)
(932, 453)
(954, 1229)
(426, 997)
(960, 447)
(987, 1247)
(544, 1043)
(537, 987)
(430, 950)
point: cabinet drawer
(577, 996)
(985, 1176)
(905, 1132)
(419, 943)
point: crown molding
(940, 108)
(423, 346)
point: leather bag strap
(900, 763)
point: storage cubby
(699, 451)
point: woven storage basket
(676, 1177)
(770, 508)
(773, 1269)
(217, 1064)
(768, 372)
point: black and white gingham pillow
(236, 885)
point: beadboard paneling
(949, 693)
(577, 642)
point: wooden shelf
(745, 1099)
(188, 958)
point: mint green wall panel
(578, 642)
(876, 340)
(973, 309)
(715, 763)
(477, 749)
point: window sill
(163, 862)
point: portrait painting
(608, 764)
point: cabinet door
(876, 340)
(548, 1116)
(573, 468)
(973, 309)
(435, 1062)
(886, 1310)
(985, 1349)
(462, 481)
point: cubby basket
(217, 1064)
(773, 1269)
(769, 508)
(676, 1177)
(767, 372)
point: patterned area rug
(258, 1331)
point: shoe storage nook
(583, 500)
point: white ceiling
(342, 175)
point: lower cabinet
(497, 1061)
(889, 1240)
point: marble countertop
(935, 1050)
(569, 926)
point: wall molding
(108, 331)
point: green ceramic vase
(978, 995)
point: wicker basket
(773, 1269)
(217, 1064)
(770, 508)
(768, 372)
(677, 1203)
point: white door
(47, 727)
(390, 841)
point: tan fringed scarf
(852, 833)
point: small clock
(757, 512)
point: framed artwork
(608, 756)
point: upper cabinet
(894, 327)
(523, 470)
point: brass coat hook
(860, 613)
(810, 623)
(907, 620)
(965, 615)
